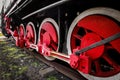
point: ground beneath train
(16, 64)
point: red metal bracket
(43, 49)
(84, 64)
(81, 62)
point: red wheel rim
(107, 63)
(30, 35)
(49, 36)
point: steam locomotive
(83, 33)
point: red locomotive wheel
(30, 34)
(105, 58)
(49, 35)
(21, 33)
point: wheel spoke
(77, 37)
(86, 31)
(97, 67)
(110, 61)
(43, 30)
(54, 45)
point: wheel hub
(89, 39)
